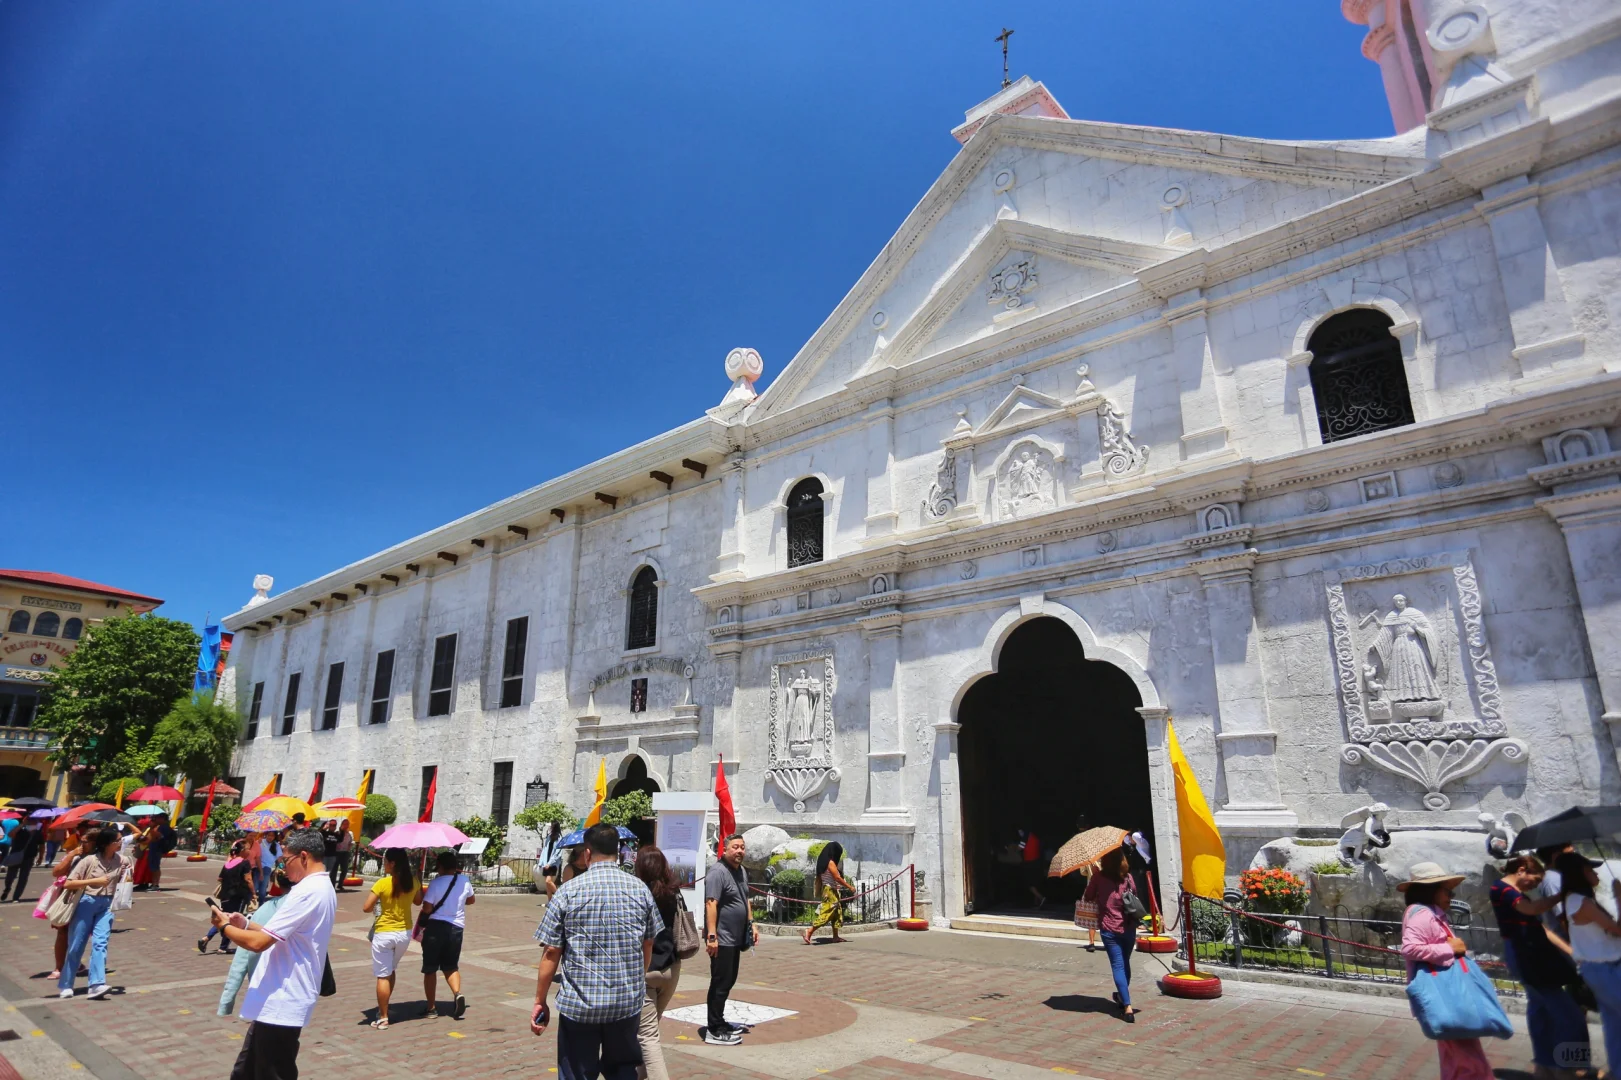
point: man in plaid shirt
(599, 929)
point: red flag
(315, 790)
(433, 789)
(723, 794)
(202, 830)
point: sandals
(380, 1025)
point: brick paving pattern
(1043, 1006)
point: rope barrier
(842, 899)
(1229, 909)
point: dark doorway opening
(636, 779)
(19, 781)
(1049, 741)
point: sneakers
(459, 1009)
(98, 992)
(727, 1038)
(202, 944)
(65, 994)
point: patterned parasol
(262, 821)
(1085, 849)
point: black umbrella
(109, 817)
(30, 803)
(1576, 824)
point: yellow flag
(602, 794)
(1204, 857)
(180, 803)
(357, 817)
(270, 788)
(118, 800)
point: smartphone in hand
(541, 1016)
(212, 902)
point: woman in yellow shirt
(392, 897)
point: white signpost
(680, 835)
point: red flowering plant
(1273, 891)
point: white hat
(1428, 873)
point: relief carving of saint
(1405, 648)
(804, 708)
(1024, 485)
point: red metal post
(911, 880)
(1189, 942)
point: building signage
(35, 651)
(25, 674)
(59, 605)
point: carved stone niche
(1414, 671)
(1026, 479)
(800, 759)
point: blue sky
(284, 284)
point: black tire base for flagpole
(1185, 984)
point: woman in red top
(1108, 889)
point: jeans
(1605, 982)
(92, 922)
(261, 882)
(587, 1051)
(722, 977)
(1557, 1024)
(1119, 947)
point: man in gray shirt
(728, 930)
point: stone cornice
(1573, 472)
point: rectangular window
(501, 797)
(334, 694)
(318, 792)
(428, 774)
(382, 687)
(289, 709)
(17, 706)
(638, 695)
(444, 675)
(253, 710)
(512, 663)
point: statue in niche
(1404, 676)
(1025, 485)
(804, 706)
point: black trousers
(340, 867)
(588, 1051)
(17, 875)
(269, 1052)
(722, 977)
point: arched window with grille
(18, 623)
(73, 629)
(47, 623)
(805, 522)
(642, 628)
(1357, 376)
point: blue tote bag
(1457, 1002)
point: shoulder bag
(1457, 1002)
(687, 939)
(1131, 906)
(63, 907)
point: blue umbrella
(578, 836)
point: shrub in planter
(1273, 892)
(379, 814)
(107, 792)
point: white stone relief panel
(800, 724)
(1414, 670)
(1026, 481)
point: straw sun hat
(1428, 873)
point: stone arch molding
(623, 766)
(1333, 298)
(988, 656)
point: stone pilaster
(886, 757)
(952, 885)
(1245, 739)
(882, 518)
(1203, 430)
(1545, 337)
(1591, 522)
(1162, 790)
(734, 491)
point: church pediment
(1020, 409)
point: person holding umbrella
(1119, 912)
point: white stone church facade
(1314, 442)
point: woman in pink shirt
(1427, 939)
(1108, 889)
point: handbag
(1131, 906)
(687, 941)
(63, 907)
(1086, 915)
(1457, 1002)
(123, 896)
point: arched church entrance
(634, 778)
(1049, 741)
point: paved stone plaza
(887, 1004)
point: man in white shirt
(287, 980)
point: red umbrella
(154, 793)
(71, 818)
(217, 787)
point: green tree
(112, 691)
(108, 791)
(379, 814)
(197, 738)
(540, 815)
(629, 807)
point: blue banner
(207, 658)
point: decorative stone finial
(743, 367)
(262, 584)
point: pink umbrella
(420, 834)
